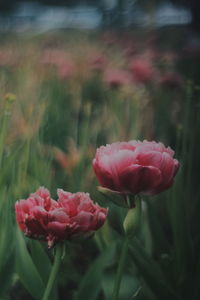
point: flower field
(108, 124)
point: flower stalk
(120, 269)
(131, 225)
(54, 272)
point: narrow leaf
(91, 283)
(42, 263)
(26, 269)
(151, 273)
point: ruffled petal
(83, 220)
(58, 215)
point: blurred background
(75, 75)
(45, 15)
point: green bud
(133, 219)
(10, 97)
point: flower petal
(140, 179)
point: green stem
(128, 201)
(53, 273)
(120, 270)
(3, 134)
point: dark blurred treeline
(9, 5)
(194, 6)
(6, 6)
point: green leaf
(42, 262)
(183, 242)
(128, 288)
(6, 245)
(91, 283)
(161, 245)
(116, 197)
(27, 270)
(151, 273)
(7, 270)
(116, 218)
(40, 259)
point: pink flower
(117, 78)
(141, 70)
(61, 60)
(54, 57)
(66, 70)
(135, 167)
(73, 215)
(98, 62)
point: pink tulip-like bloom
(135, 167)
(73, 215)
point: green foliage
(91, 284)
(26, 269)
(7, 258)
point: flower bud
(132, 220)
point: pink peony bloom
(135, 167)
(73, 215)
(142, 71)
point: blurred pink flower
(73, 215)
(61, 60)
(135, 167)
(54, 57)
(98, 62)
(142, 71)
(117, 78)
(9, 57)
(65, 70)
